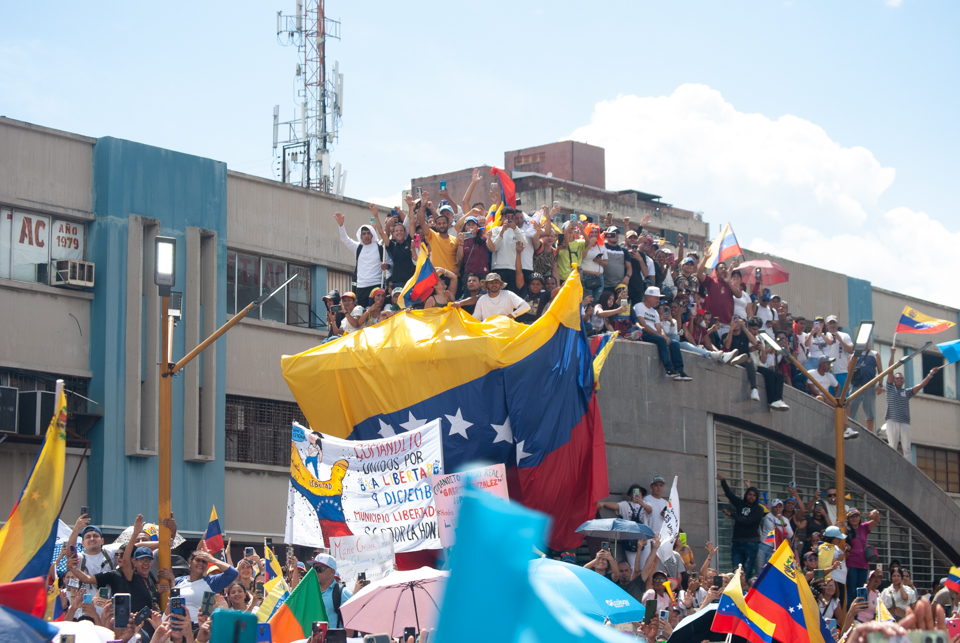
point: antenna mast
(302, 145)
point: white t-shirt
(526, 257)
(836, 351)
(770, 522)
(630, 509)
(654, 518)
(669, 327)
(696, 597)
(650, 316)
(591, 266)
(505, 242)
(503, 303)
(356, 313)
(93, 564)
(740, 304)
(595, 320)
(840, 574)
(817, 345)
(766, 314)
(892, 598)
(826, 380)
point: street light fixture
(864, 335)
(165, 266)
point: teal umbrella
(588, 592)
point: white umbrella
(83, 631)
(396, 601)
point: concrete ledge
(44, 289)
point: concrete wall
(255, 501)
(655, 426)
(46, 329)
(569, 160)
(46, 170)
(16, 463)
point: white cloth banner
(31, 239)
(352, 487)
(671, 524)
(372, 555)
(448, 494)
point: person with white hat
(648, 321)
(332, 591)
(498, 301)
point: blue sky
(810, 126)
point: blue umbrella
(17, 627)
(615, 529)
(950, 350)
(592, 594)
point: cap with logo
(327, 560)
(831, 318)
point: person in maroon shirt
(720, 293)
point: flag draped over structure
(28, 537)
(493, 384)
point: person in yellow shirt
(443, 246)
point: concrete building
(70, 198)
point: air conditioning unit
(68, 273)
(35, 412)
(8, 409)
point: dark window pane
(274, 274)
(248, 279)
(231, 283)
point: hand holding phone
(649, 610)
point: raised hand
(339, 218)
(645, 221)
(373, 210)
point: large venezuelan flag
(723, 248)
(504, 392)
(913, 321)
(28, 537)
(293, 621)
(734, 616)
(781, 595)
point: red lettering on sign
(37, 238)
(26, 230)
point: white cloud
(786, 187)
(894, 3)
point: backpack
(631, 545)
(337, 596)
(356, 263)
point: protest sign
(448, 493)
(372, 555)
(670, 528)
(364, 487)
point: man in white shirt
(823, 375)
(840, 350)
(654, 516)
(504, 242)
(767, 315)
(498, 301)
(352, 313)
(93, 560)
(370, 256)
(648, 321)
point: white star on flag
(521, 454)
(791, 610)
(504, 432)
(458, 425)
(386, 430)
(412, 423)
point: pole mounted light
(165, 274)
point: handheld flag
(294, 619)
(781, 595)
(723, 248)
(950, 351)
(420, 286)
(273, 569)
(28, 537)
(883, 614)
(508, 189)
(213, 538)
(274, 598)
(600, 346)
(671, 524)
(913, 321)
(734, 616)
(953, 579)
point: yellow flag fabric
(27, 539)
(429, 351)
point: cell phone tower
(303, 156)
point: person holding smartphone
(633, 509)
(196, 583)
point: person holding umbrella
(633, 509)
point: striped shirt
(898, 404)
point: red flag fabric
(28, 596)
(508, 189)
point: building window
(249, 276)
(941, 465)
(29, 242)
(258, 431)
(935, 386)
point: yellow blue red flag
(734, 616)
(28, 537)
(420, 286)
(913, 321)
(493, 385)
(723, 248)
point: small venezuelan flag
(213, 538)
(953, 579)
(420, 286)
(734, 616)
(724, 247)
(913, 321)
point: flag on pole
(913, 321)
(420, 286)
(28, 537)
(275, 590)
(273, 569)
(734, 616)
(293, 621)
(724, 247)
(883, 614)
(671, 524)
(950, 351)
(213, 538)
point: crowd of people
(513, 264)
(840, 565)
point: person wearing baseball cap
(618, 270)
(443, 245)
(648, 322)
(498, 301)
(93, 560)
(332, 591)
(839, 346)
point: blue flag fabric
(951, 351)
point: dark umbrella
(17, 627)
(696, 628)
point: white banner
(671, 524)
(372, 555)
(68, 240)
(351, 487)
(448, 494)
(31, 239)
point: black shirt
(739, 342)
(636, 285)
(538, 304)
(403, 265)
(143, 591)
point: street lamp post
(862, 340)
(165, 278)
